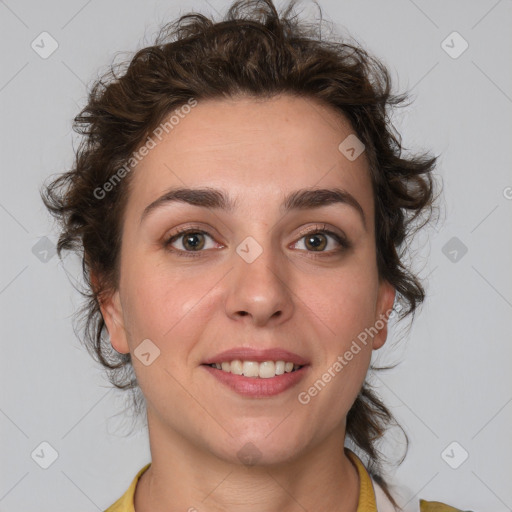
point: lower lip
(256, 387)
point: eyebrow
(302, 199)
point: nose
(260, 290)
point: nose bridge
(259, 285)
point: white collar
(381, 500)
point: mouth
(255, 372)
(257, 380)
(255, 369)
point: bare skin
(311, 299)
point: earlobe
(385, 302)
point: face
(269, 272)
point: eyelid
(323, 228)
(190, 228)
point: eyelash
(344, 243)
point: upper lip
(257, 355)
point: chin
(260, 449)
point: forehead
(253, 148)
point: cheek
(343, 302)
(163, 305)
(343, 308)
(164, 308)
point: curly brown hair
(253, 51)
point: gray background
(454, 381)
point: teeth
(250, 369)
(267, 370)
(234, 367)
(264, 370)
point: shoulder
(384, 504)
(125, 502)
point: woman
(240, 200)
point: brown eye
(316, 242)
(193, 241)
(188, 241)
(322, 241)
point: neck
(191, 478)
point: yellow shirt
(367, 499)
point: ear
(112, 312)
(385, 301)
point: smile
(266, 383)
(263, 370)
